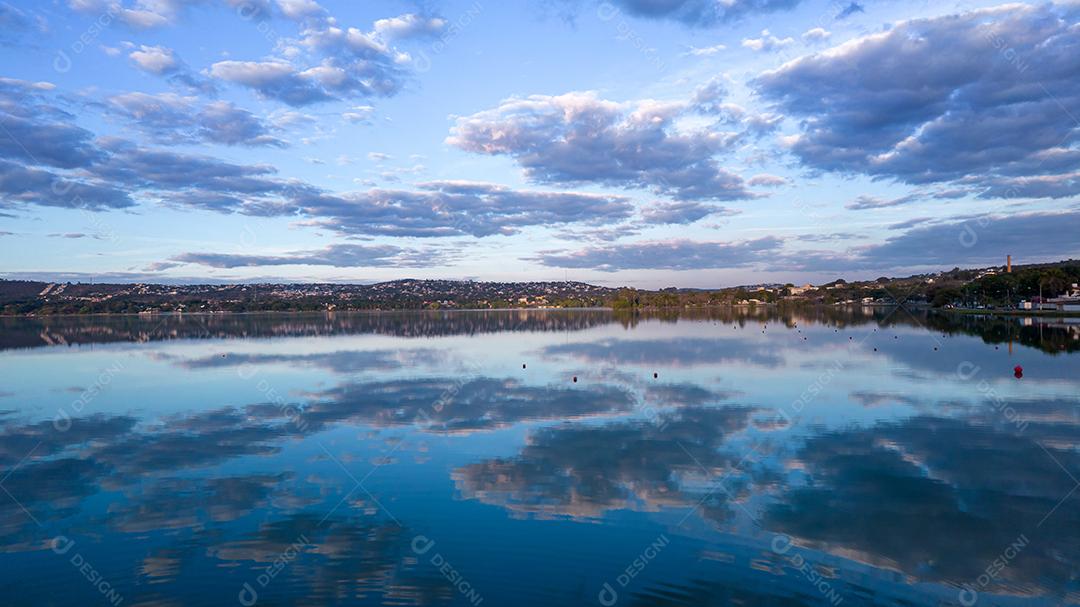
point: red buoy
(1018, 371)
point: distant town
(1037, 288)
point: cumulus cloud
(670, 255)
(579, 138)
(344, 63)
(698, 13)
(709, 99)
(454, 208)
(409, 25)
(276, 79)
(680, 212)
(300, 9)
(155, 59)
(115, 173)
(38, 147)
(767, 42)
(37, 131)
(20, 185)
(980, 99)
(182, 179)
(766, 180)
(338, 256)
(706, 51)
(174, 119)
(138, 14)
(163, 61)
(359, 114)
(817, 34)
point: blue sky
(643, 142)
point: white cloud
(155, 59)
(817, 34)
(767, 42)
(706, 51)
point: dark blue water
(859, 457)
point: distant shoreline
(1052, 313)
(959, 311)
(296, 312)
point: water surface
(815, 457)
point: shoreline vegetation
(644, 310)
(1049, 334)
(993, 290)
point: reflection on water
(755, 457)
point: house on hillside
(1070, 302)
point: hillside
(979, 287)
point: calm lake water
(863, 457)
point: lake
(731, 457)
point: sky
(652, 143)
